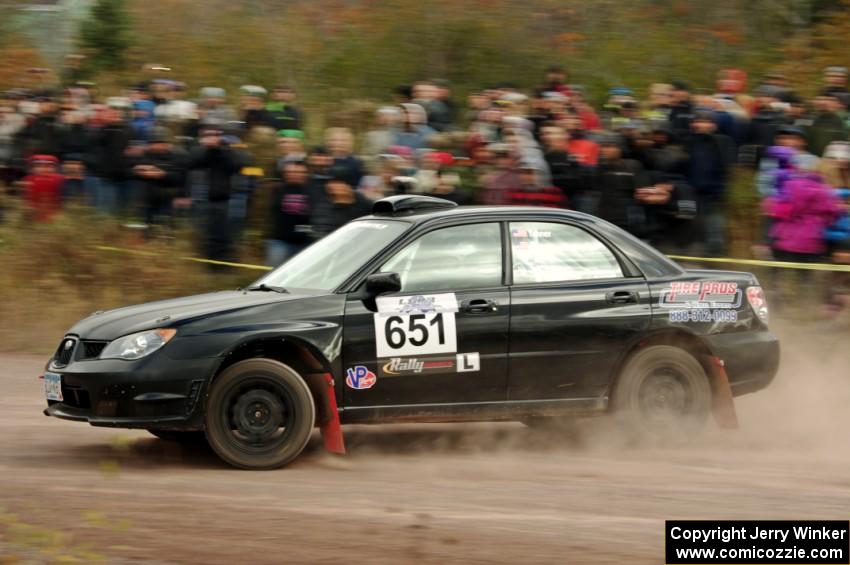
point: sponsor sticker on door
(360, 377)
(702, 301)
(402, 366)
(468, 362)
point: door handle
(622, 297)
(479, 306)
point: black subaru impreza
(425, 312)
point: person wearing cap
(213, 110)
(670, 207)
(681, 110)
(282, 109)
(291, 208)
(828, 124)
(555, 80)
(252, 105)
(835, 78)
(290, 146)
(711, 156)
(109, 161)
(42, 187)
(580, 143)
(663, 158)
(40, 134)
(613, 186)
(532, 190)
(567, 172)
(792, 142)
(769, 116)
(143, 111)
(339, 204)
(175, 109)
(161, 172)
(212, 169)
(340, 142)
(501, 179)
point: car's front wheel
(662, 393)
(260, 414)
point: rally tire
(260, 414)
(184, 437)
(662, 393)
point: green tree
(105, 35)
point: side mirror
(382, 283)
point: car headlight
(136, 346)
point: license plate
(53, 386)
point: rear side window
(455, 258)
(547, 252)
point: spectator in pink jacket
(800, 217)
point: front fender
(315, 322)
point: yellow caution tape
(751, 262)
(193, 259)
(252, 171)
(763, 263)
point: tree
(105, 35)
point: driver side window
(455, 258)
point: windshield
(328, 262)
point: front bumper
(156, 392)
(751, 359)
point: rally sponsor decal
(702, 301)
(402, 366)
(360, 377)
(421, 324)
(468, 362)
(701, 294)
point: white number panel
(398, 335)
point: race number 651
(397, 335)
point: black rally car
(424, 311)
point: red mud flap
(331, 428)
(722, 405)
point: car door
(444, 337)
(573, 311)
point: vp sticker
(360, 377)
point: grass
(52, 274)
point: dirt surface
(476, 493)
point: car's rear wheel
(260, 414)
(185, 437)
(662, 393)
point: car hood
(175, 312)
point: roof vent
(409, 204)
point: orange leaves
(568, 42)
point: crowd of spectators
(659, 167)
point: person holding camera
(161, 170)
(339, 204)
(212, 166)
(291, 206)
